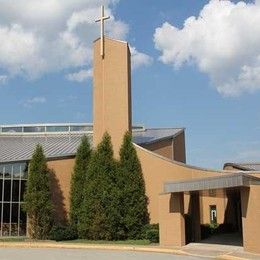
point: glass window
(79, 128)
(15, 195)
(6, 213)
(34, 129)
(13, 189)
(8, 171)
(24, 166)
(1, 190)
(57, 129)
(1, 205)
(16, 170)
(14, 220)
(7, 190)
(24, 170)
(22, 221)
(23, 185)
(137, 127)
(12, 129)
(1, 171)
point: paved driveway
(80, 254)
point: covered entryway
(227, 214)
(221, 217)
(213, 216)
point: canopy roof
(219, 182)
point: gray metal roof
(245, 166)
(15, 147)
(220, 182)
(152, 135)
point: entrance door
(213, 214)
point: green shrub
(151, 233)
(132, 190)
(213, 227)
(59, 233)
(100, 217)
(209, 229)
(37, 197)
(78, 180)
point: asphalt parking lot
(80, 254)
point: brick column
(250, 206)
(171, 219)
(195, 214)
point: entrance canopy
(219, 182)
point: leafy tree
(37, 196)
(100, 218)
(134, 201)
(78, 180)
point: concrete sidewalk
(217, 251)
(201, 250)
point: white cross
(101, 20)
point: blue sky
(220, 112)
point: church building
(181, 197)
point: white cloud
(80, 76)
(223, 42)
(39, 37)
(35, 100)
(139, 59)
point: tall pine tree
(100, 218)
(134, 211)
(78, 180)
(37, 198)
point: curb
(114, 248)
(90, 246)
(230, 257)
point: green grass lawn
(13, 239)
(140, 242)
(120, 242)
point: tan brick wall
(157, 170)
(230, 168)
(216, 197)
(251, 218)
(60, 186)
(172, 224)
(179, 151)
(112, 92)
(163, 148)
(172, 148)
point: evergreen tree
(37, 196)
(134, 211)
(100, 218)
(78, 180)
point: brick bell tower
(112, 89)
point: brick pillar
(195, 214)
(171, 219)
(250, 206)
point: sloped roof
(245, 166)
(218, 182)
(152, 135)
(19, 147)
